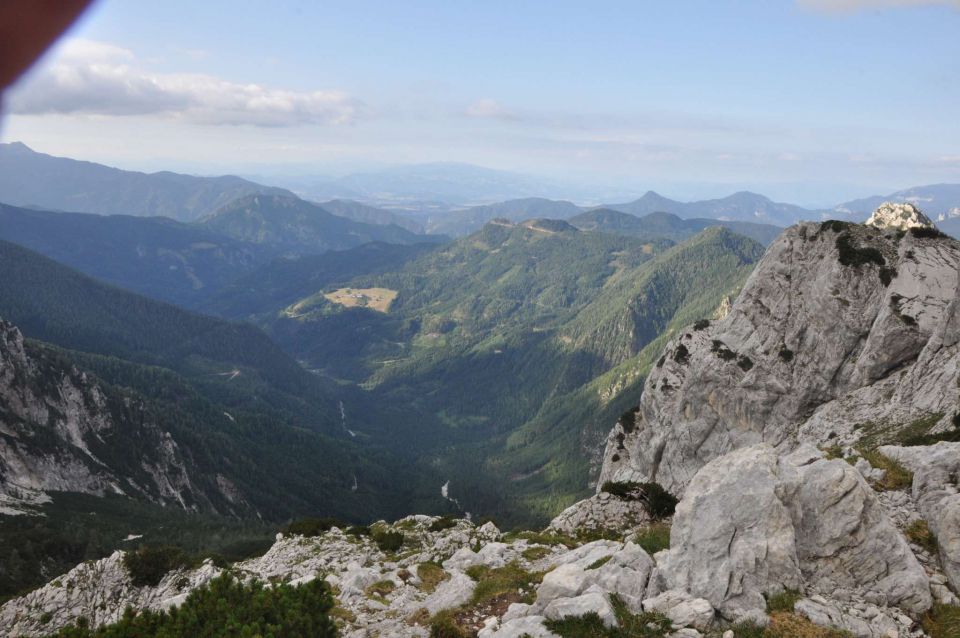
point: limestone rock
(752, 523)
(682, 609)
(519, 627)
(898, 217)
(840, 327)
(59, 424)
(601, 511)
(593, 602)
(935, 469)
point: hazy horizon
(812, 102)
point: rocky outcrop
(899, 217)
(601, 511)
(936, 469)
(753, 524)
(842, 331)
(60, 430)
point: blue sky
(811, 101)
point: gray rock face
(601, 511)
(898, 217)
(752, 523)
(80, 425)
(935, 470)
(682, 609)
(822, 340)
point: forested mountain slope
(154, 256)
(666, 225)
(294, 224)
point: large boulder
(622, 569)
(753, 523)
(601, 511)
(838, 326)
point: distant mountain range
(291, 223)
(28, 178)
(742, 206)
(188, 263)
(416, 198)
(458, 223)
(939, 201)
(666, 225)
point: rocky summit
(899, 217)
(791, 468)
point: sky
(808, 101)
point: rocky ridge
(842, 333)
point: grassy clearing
(378, 299)
(785, 624)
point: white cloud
(488, 108)
(850, 6)
(96, 78)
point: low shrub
(442, 523)
(702, 324)
(786, 354)
(148, 564)
(388, 541)
(658, 502)
(928, 233)
(887, 274)
(224, 608)
(851, 255)
(628, 420)
(312, 526)
(745, 363)
(681, 355)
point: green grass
(783, 601)
(492, 582)
(431, 575)
(896, 476)
(919, 532)
(942, 621)
(642, 625)
(381, 588)
(535, 553)
(600, 562)
(654, 538)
